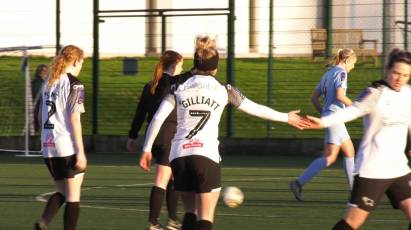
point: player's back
(334, 78)
(59, 100)
(200, 101)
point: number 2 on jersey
(205, 115)
(51, 111)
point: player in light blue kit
(333, 87)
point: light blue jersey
(334, 78)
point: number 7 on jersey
(205, 115)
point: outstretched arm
(237, 99)
(364, 104)
(264, 112)
(166, 107)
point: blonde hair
(68, 55)
(206, 55)
(342, 55)
(205, 46)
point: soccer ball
(232, 196)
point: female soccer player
(61, 136)
(381, 166)
(200, 101)
(170, 64)
(333, 87)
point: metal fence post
(329, 28)
(58, 34)
(230, 62)
(406, 24)
(270, 65)
(95, 65)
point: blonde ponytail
(342, 55)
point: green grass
(115, 195)
(293, 81)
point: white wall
(25, 22)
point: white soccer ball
(232, 196)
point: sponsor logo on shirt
(49, 142)
(193, 143)
(367, 201)
(80, 93)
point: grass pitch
(115, 195)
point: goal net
(17, 102)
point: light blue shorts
(336, 134)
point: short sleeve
(76, 98)
(367, 99)
(341, 80)
(235, 97)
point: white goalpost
(28, 112)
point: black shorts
(162, 143)
(62, 167)
(196, 174)
(161, 154)
(367, 192)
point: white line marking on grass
(42, 197)
(259, 179)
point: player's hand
(296, 120)
(145, 161)
(314, 122)
(131, 145)
(81, 161)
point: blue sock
(315, 167)
(349, 170)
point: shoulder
(181, 78)
(371, 92)
(339, 73)
(74, 81)
(235, 97)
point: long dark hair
(166, 60)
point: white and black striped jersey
(64, 97)
(386, 123)
(200, 101)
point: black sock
(71, 214)
(53, 204)
(342, 225)
(189, 221)
(204, 225)
(156, 201)
(171, 200)
(409, 226)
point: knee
(355, 223)
(330, 160)
(162, 179)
